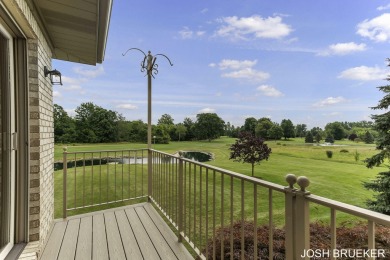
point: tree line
(95, 124)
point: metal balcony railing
(201, 201)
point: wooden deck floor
(133, 232)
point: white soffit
(77, 28)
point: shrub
(344, 151)
(347, 237)
(356, 155)
(329, 154)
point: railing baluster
(135, 172)
(129, 177)
(64, 188)
(214, 213)
(189, 200)
(207, 211)
(75, 182)
(270, 225)
(200, 205)
(185, 196)
(222, 216)
(108, 178)
(83, 179)
(195, 199)
(115, 174)
(333, 230)
(100, 177)
(122, 173)
(92, 199)
(242, 220)
(231, 217)
(371, 236)
(255, 220)
(181, 195)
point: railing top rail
(350, 209)
(263, 183)
(107, 151)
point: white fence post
(302, 220)
(289, 214)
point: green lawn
(339, 178)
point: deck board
(99, 245)
(53, 245)
(131, 232)
(157, 239)
(84, 243)
(147, 248)
(114, 241)
(127, 235)
(68, 247)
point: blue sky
(313, 62)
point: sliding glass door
(7, 143)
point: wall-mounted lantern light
(55, 76)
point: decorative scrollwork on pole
(149, 62)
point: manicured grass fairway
(339, 178)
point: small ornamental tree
(249, 149)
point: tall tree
(208, 126)
(64, 126)
(381, 185)
(300, 130)
(95, 124)
(264, 124)
(181, 131)
(165, 119)
(288, 128)
(250, 124)
(276, 132)
(189, 124)
(336, 129)
(249, 149)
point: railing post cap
(65, 149)
(291, 180)
(303, 182)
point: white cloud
(269, 91)
(127, 106)
(330, 101)
(256, 26)
(93, 73)
(343, 49)
(236, 64)
(71, 112)
(383, 7)
(186, 33)
(247, 73)
(241, 69)
(363, 73)
(376, 29)
(206, 110)
(332, 114)
(204, 10)
(57, 94)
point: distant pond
(192, 155)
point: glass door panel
(7, 155)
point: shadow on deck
(131, 232)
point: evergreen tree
(381, 185)
(309, 138)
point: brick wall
(41, 181)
